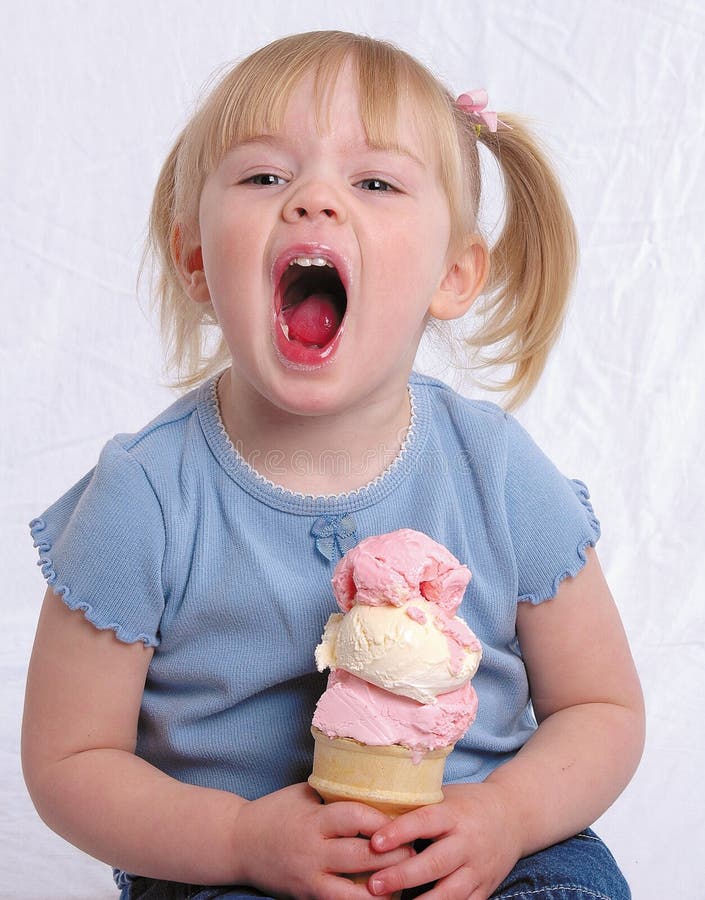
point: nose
(314, 200)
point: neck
(317, 455)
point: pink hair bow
(474, 103)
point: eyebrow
(395, 149)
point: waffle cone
(391, 778)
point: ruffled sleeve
(101, 548)
(550, 518)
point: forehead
(338, 109)
(384, 107)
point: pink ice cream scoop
(400, 659)
(353, 708)
(400, 566)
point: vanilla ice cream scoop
(414, 650)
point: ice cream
(366, 713)
(390, 569)
(399, 693)
(400, 659)
(414, 650)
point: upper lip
(311, 248)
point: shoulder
(134, 471)
(159, 447)
(445, 401)
(167, 428)
(442, 395)
(481, 421)
(476, 429)
(489, 438)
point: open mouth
(311, 304)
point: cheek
(226, 248)
(428, 228)
(421, 251)
(219, 223)
(220, 237)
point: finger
(434, 863)
(354, 855)
(425, 822)
(338, 887)
(346, 818)
(459, 885)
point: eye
(375, 184)
(264, 179)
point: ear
(188, 259)
(466, 274)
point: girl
(316, 214)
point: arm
(84, 691)
(587, 699)
(588, 703)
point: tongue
(313, 321)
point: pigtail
(532, 265)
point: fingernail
(377, 886)
(378, 842)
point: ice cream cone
(401, 662)
(391, 778)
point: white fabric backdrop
(92, 96)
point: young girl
(316, 214)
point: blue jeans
(581, 868)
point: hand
(475, 844)
(291, 845)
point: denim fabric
(147, 889)
(581, 868)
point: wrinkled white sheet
(92, 96)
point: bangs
(252, 99)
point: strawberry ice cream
(353, 708)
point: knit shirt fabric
(174, 540)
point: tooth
(306, 261)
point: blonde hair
(531, 265)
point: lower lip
(297, 355)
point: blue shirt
(174, 540)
